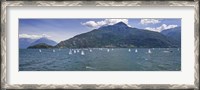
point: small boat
(88, 67)
(90, 50)
(82, 53)
(70, 51)
(167, 51)
(108, 50)
(74, 51)
(149, 51)
(40, 50)
(129, 50)
(112, 49)
(136, 50)
(54, 50)
(78, 50)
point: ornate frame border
(5, 4)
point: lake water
(96, 59)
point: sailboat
(149, 51)
(74, 51)
(129, 50)
(136, 50)
(53, 50)
(82, 53)
(90, 50)
(40, 50)
(108, 50)
(70, 51)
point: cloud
(160, 28)
(97, 24)
(149, 21)
(33, 36)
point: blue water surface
(100, 59)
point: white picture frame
(5, 72)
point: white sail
(112, 49)
(78, 50)
(136, 50)
(74, 51)
(82, 53)
(129, 50)
(108, 50)
(90, 50)
(149, 51)
(40, 50)
(54, 50)
(70, 51)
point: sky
(62, 29)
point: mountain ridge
(118, 35)
(44, 40)
(25, 42)
(173, 33)
(40, 46)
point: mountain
(118, 35)
(25, 42)
(173, 33)
(40, 45)
(44, 40)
